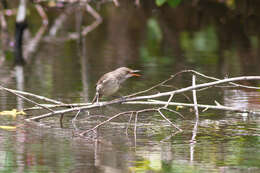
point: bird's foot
(122, 99)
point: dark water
(217, 39)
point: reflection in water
(242, 98)
(84, 70)
(19, 75)
(209, 36)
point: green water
(209, 37)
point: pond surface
(159, 42)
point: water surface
(160, 42)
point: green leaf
(160, 2)
(174, 3)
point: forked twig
(153, 87)
(104, 122)
(168, 120)
(216, 79)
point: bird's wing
(105, 78)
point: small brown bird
(110, 82)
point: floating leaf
(13, 113)
(179, 107)
(8, 127)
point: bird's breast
(108, 88)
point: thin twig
(170, 99)
(100, 124)
(31, 101)
(168, 120)
(135, 129)
(153, 87)
(115, 116)
(170, 110)
(195, 96)
(195, 129)
(74, 119)
(213, 78)
(220, 107)
(57, 106)
(129, 121)
(61, 119)
(199, 86)
(100, 104)
(170, 86)
(76, 116)
(32, 95)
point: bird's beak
(135, 73)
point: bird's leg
(97, 98)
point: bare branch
(195, 97)
(32, 95)
(135, 129)
(100, 124)
(156, 96)
(62, 105)
(170, 110)
(195, 129)
(153, 87)
(129, 121)
(199, 86)
(219, 107)
(169, 100)
(31, 101)
(168, 120)
(213, 78)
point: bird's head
(127, 72)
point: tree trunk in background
(19, 30)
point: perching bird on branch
(110, 82)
